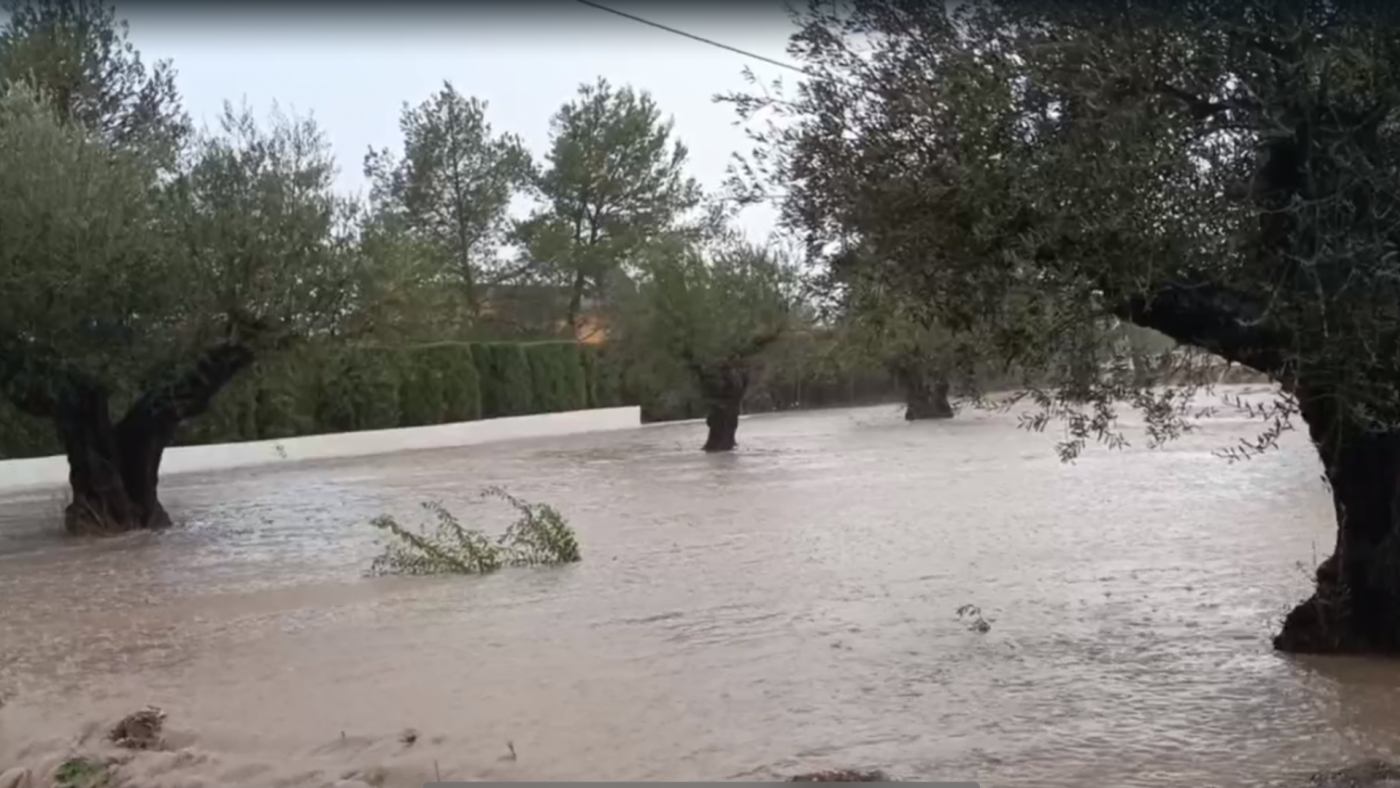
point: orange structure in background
(532, 309)
(590, 330)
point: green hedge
(320, 390)
(353, 389)
(557, 377)
(441, 385)
(602, 378)
(285, 405)
(358, 389)
(507, 384)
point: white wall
(48, 471)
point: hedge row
(321, 391)
(325, 391)
(377, 388)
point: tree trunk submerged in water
(722, 418)
(1355, 608)
(113, 470)
(927, 401)
(724, 386)
(925, 395)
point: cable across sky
(694, 37)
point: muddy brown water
(785, 609)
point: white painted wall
(49, 471)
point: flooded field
(789, 608)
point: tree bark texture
(722, 419)
(114, 467)
(724, 386)
(925, 395)
(1355, 608)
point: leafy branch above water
(539, 536)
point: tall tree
(1224, 173)
(451, 187)
(615, 181)
(139, 274)
(710, 311)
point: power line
(694, 37)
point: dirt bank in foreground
(136, 751)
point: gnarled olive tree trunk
(925, 386)
(114, 468)
(723, 386)
(1355, 608)
(925, 392)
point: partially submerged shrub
(82, 773)
(140, 731)
(540, 535)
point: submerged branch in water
(539, 536)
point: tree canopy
(449, 192)
(1042, 168)
(614, 182)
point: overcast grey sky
(352, 72)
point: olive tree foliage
(75, 280)
(708, 310)
(1224, 173)
(396, 292)
(614, 182)
(1026, 171)
(79, 52)
(449, 191)
(270, 249)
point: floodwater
(789, 608)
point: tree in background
(141, 270)
(449, 191)
(922, 356)
(615, 182)
(396, 293)
(1222, 173)
(709, 310)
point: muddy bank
(842, 776)
(137, 751)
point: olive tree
(907, 340)
(709, 310)
(1224, 173)
(135, 282)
